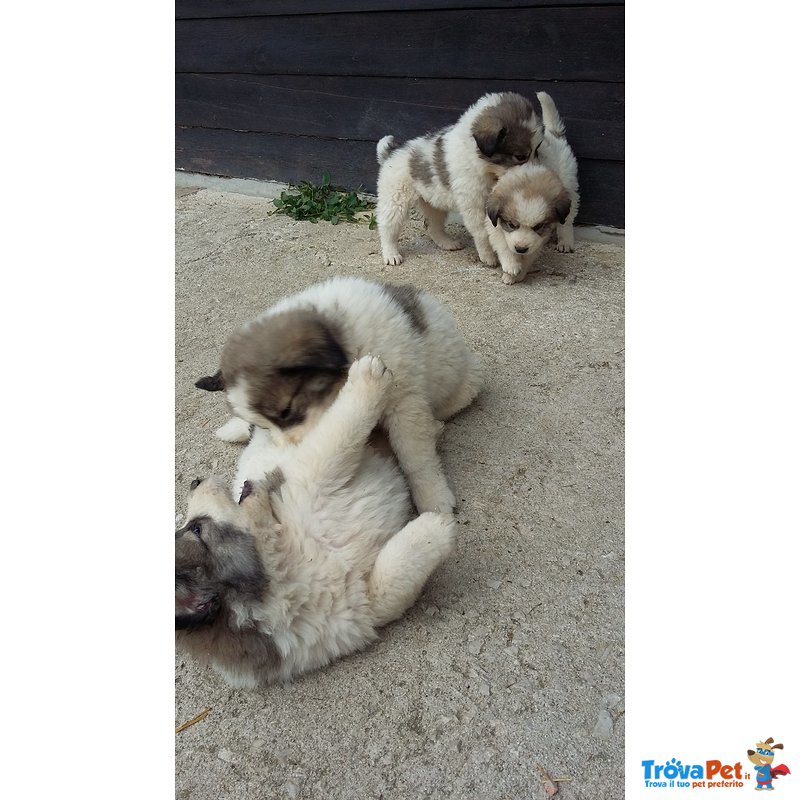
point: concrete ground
(511, 664)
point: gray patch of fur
(222, 558)
(421, 169)
(440, 163)
(407, 297)
(224, 645)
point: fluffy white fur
(435, 375)
(533, 201)
(339, 553)
(447, 170)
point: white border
(712, 411)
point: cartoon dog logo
(762, 757)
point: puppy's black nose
(521, 249)
(195, 483)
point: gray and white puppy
(454, 169)
(282, 370)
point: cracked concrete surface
(511, 663)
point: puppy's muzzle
(521, 249)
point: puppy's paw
(441, 531)
(370, 372)
(235, 430)
(446, 243)
(508, 278)
(565, 247)
(488, 259)
(392, 259)
(435, 496)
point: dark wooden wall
(283, 90)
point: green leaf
(304, 201)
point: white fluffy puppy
(314, 557)
(531, 202)
(283, 369)
(454, 169)
(522, 213)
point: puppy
(283, 369)
(522, 214)
(531, 202)
(454, 168)
(314, 557)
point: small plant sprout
(333, 204)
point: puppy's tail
(552, 119)
(386, 147)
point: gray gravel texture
(511, 663)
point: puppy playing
(454, 169)
(531, 202)
(283, 369)
(522, 213)
(314, 557)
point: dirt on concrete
(509, 668)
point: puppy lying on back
(454, 169)
(533, 201)
(283, 369)
(314, 557)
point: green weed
(327, 202)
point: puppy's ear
(212, 383)
(493, 209)
(562, 206)
(489, 135)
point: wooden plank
(207, 9)
(368, 108)
(352, 163)
(509, 44)
(602, 187)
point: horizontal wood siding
(205, 9)
(287, 96)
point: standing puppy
(282, 370)
(454, 169)
(532, 202)
(522, 214)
